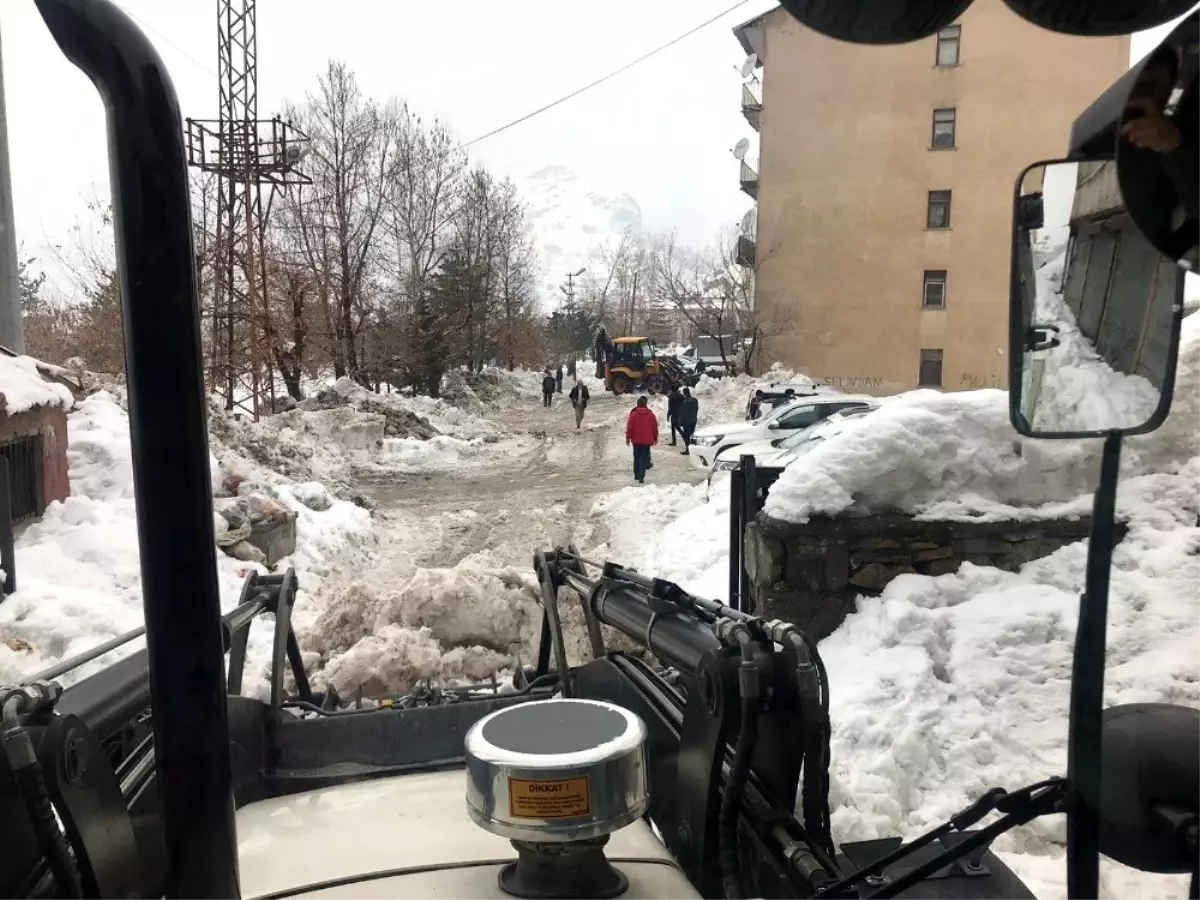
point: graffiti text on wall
(851, 381)
(974, 381)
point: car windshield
(815, 433)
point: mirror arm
(1037, 338)
(1087, 687)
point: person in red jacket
(641, 431)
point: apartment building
(884, 181)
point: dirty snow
(78, 571)
(22, 387)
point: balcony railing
(752, 104)
(748, 176)
(745, 251)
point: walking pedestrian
(689, 414)
(674, 401)
(558, 379)
(641, 432)
(579, 399)
(547, 388)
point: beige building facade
(884, 181)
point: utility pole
(12, 328)
(569, 290)
(245, 153)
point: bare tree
(714, 293)
(425, 182)
(334, 222)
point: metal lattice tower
(244, 152)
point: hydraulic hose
(27, 773)
(739, 773)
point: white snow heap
(1079, 391)
(944, 687)
(78, 567)
(925, 452)
(23, 388)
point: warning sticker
(563, 799)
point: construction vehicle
(634, 364)
(156, 777)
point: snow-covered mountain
(569, 217)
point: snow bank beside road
(946, 686)
(956, 453)
(78, 570)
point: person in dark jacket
(756, 402)
(689, 414)
(558, 379)
(547, 388)
(674, 401)
(641, 432)
(579, 399)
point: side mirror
(1095, 308)
(773, 425)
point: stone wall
(810, 574)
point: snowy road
(514, 504)
(455, 547)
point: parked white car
(780, 422)
(776, 454)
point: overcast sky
(661, 132)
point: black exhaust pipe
(169, 436)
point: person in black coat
(689, 414)
(558, 379)
(674, 401)
(579, 399)
(547, 388)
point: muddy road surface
(535, 490)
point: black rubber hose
(731, 799)
(50, 837)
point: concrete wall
(844, 174)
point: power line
(604, 78)
(170, 43)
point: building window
(931, 369)
(943, 129)
(939, 210)
(947, 45)
(935, 289)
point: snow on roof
(23, 388)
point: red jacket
(642, 427)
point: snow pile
(940, 456)
(465, 622)
(22, 387)
(409, 455)
(943, 687)
(519, 389)
(79, 577)
(683, 539)
(1078, 390)
(445, 416)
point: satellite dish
(748, 222)
(748, 67)
(741, 148)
